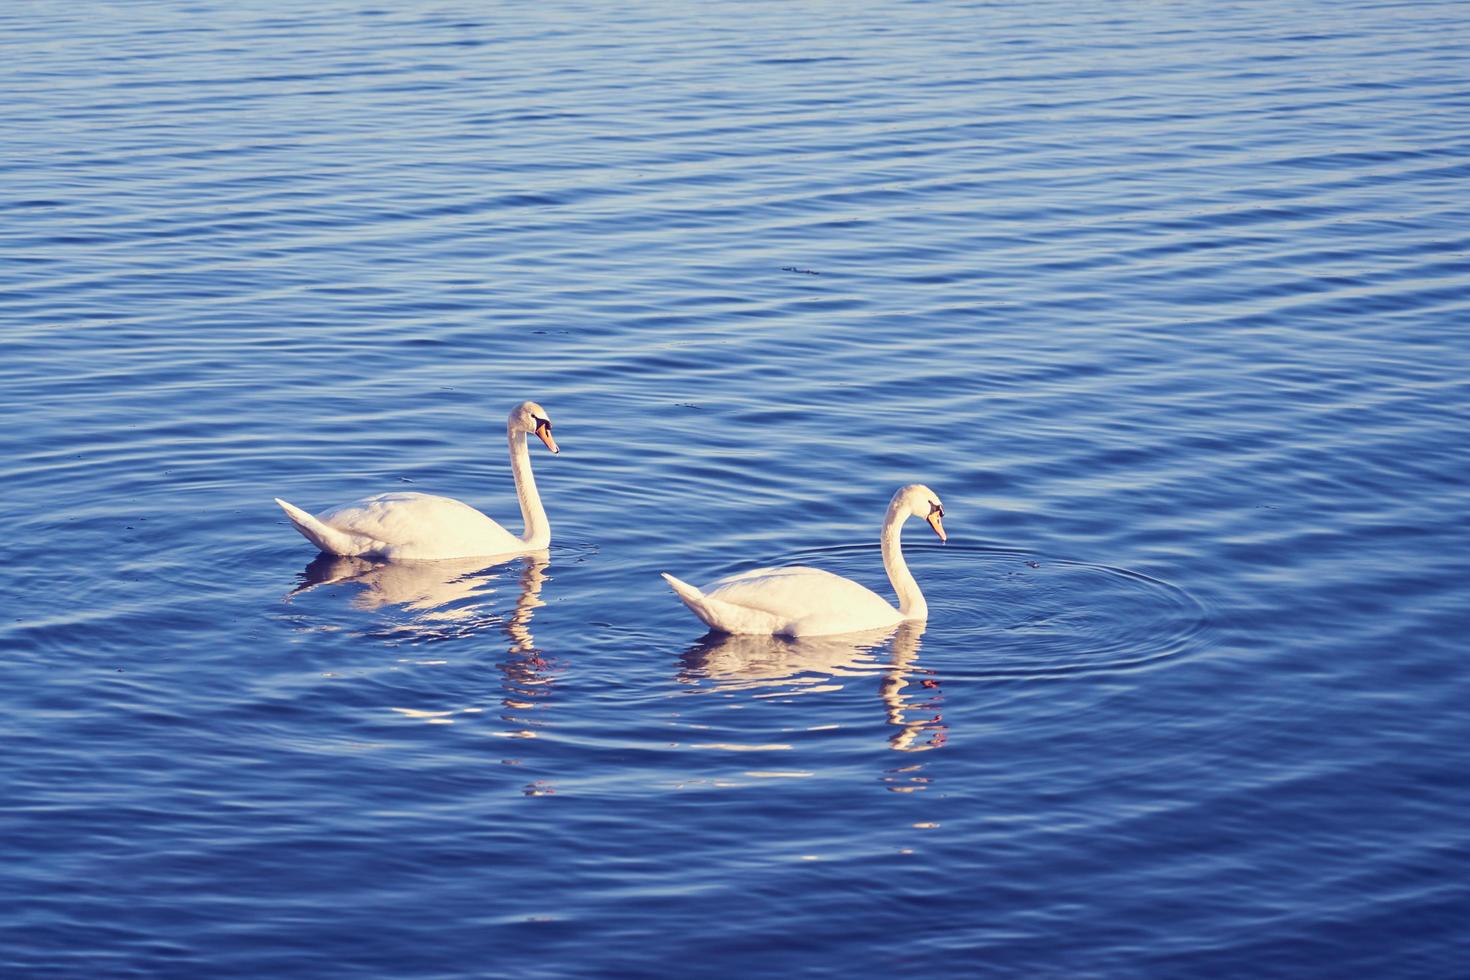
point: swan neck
(538, 530)
(911, 604)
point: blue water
(1169, 302)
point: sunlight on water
(1167, 302)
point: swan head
(919, 501)
(531, 418)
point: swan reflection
(528, 677)
(527, 673)
(443, 598)
(453, 599)
(911, 696)
(770, 666)
(428, 587)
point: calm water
(1169, 302)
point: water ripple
(1168, 301)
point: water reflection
(434, 589)
(773, 665)
(768, 666)
(527, 675)
(912, 696)
(442, 599)
(452, 599)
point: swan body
(423, 527)
(801, 601)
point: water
(1168, 302)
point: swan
(423, 527)
(800, 601)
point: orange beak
(543, 430)
(936, 521)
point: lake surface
(1170, 303)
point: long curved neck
(538, 531)
(911, 604)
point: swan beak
(936, 521)
(544, 431)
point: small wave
(999, 613)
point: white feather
(420, 526)
(800, 601)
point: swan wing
(810, 601)
(724, 616)
(791, 602)
(328, 539)
(409, 525)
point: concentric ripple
(1022, 614)
(1179, 288)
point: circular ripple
(1011, 613)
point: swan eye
(935, 509)
(542, 423)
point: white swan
(423, 527)
(802, 601)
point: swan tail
(724, 616)
(327, 538)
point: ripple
(1143, 286)
(1022, 614)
